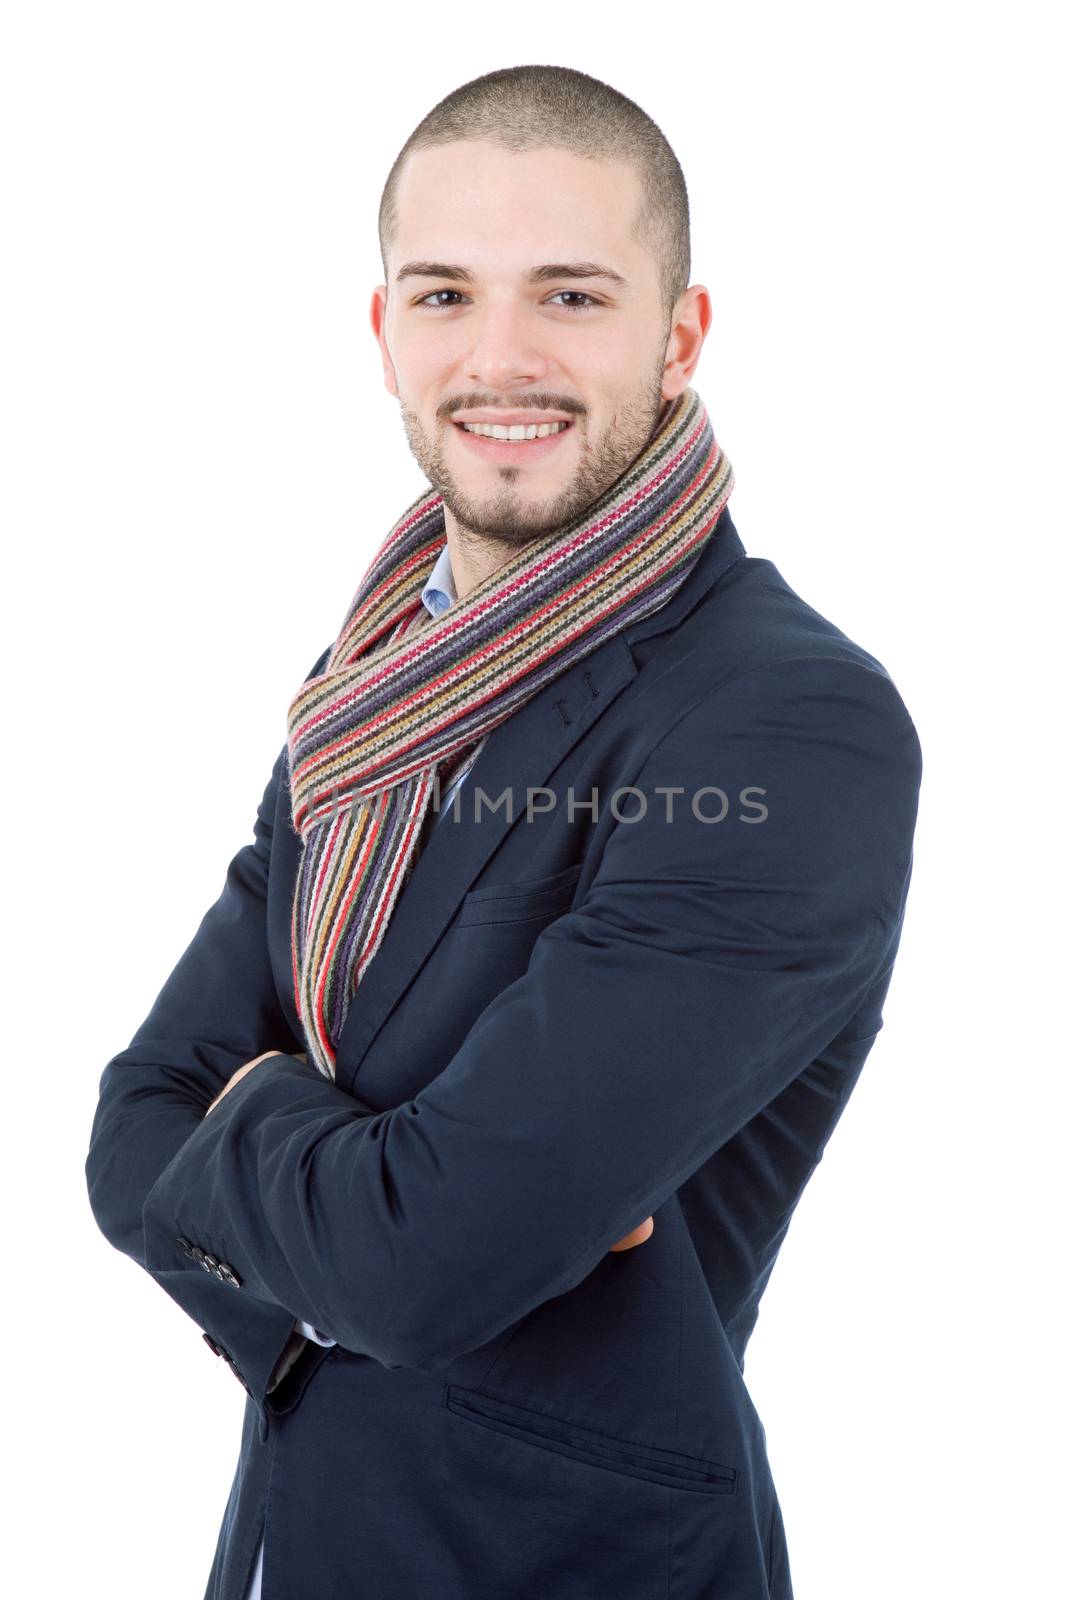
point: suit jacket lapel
(520, 754)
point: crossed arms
(703, 970)
(638, 1236)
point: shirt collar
(439, 591)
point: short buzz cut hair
(541, 107)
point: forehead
(473, 200)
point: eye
(426, 298)
(579, 294)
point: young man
(426, 1076)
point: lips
(518, 452)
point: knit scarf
(403, 698)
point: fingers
(258, 1059)
(638, 1236)
(239, 1074)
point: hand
(241, 1072)
(639, 1235)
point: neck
(472, 558)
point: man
(618, 996)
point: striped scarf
(404, 698)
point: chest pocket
(535, 900)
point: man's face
(496, 346)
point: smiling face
(518, 296)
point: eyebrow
(543, 274)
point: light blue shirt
(438, 594)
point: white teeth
(494, 430)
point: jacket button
(196, 1254)
(184, 1246)
(209, 1263)
(228, 1275)
(215, 1348)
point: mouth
(513, 451)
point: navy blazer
(579, 1017)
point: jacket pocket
(668, 1467)
(519, 902)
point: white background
(200, 459)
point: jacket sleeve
(218, 1009)
(706, 966)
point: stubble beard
(510, 517)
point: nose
(504, 350)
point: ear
(377, 322)
(689, 326)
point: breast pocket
(538, 899)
